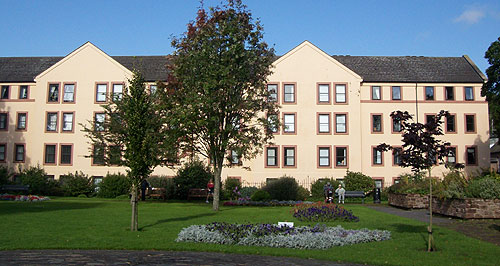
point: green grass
(76, 223)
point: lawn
(75, 223)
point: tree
(219, 72)
(491, 89)
(133, 134)
(421, 150)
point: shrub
(302, 193)
(357, 181)
(113, 185)
(413, 184)
(36, 178)
(260, 195)
(5, 175)
(232, 188)
(285, 188)
(76, 184)
(192, 175)
(247, 192)
(163, 182)
(452, 186)
(484, 188)
(318, 186)
(322, 212)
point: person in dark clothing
(144, 186)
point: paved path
(129, 257)
(416, 214)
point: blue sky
(420, 28)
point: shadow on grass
(46, 206)
(177, 219)
(495, 227)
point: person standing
(144, 186)
(328, 190)
(341, 192)
(210, 188)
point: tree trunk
(430, 245)
(135, 214)
(217, 185)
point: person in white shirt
(341, 192)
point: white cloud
(471, 15)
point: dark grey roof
(25, 69)
(412, 68)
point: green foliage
(491, 89)
(122, 197)
(453, 185)
(357, 181)
(163, 182)
(5, 175)
(303, 193)
(82, 196)
(410, 184)
(76, 184)
(484, 188)
(317, 187)
(39, 184)
(113, 185)
(285, 188)
(232, 188)
(192, 175)
(247, 192)
(260, 195)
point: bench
(198, 193)
(15, 188)
(353, 194)
(157, 193)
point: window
(396, 93)
(23, 92)
(452, 155)
(50, 154)
(324, 156)
(340, 93)
(289, 156)
(235, 157)
(451, 123)
(3, 152)
(51, 124)
(471, 156)
(4, 121)
(377, 156)
(396, 156)
(429, 118)
(469, 93)
(118, 91)
(289, 93)
(470, 123)
(449, 93)
(99, 121)
(272, 156)
(429, 93)
(5, 93)
(272, 89)
(376, 123)
(273, 120)
(98, 155)
(153, 89)
(324, 93)
(100, 92)
(69, 93)
(341, 156)
(53, 96)
(115, 155)
(21, 121)
(66, 154)
(340, 123)
(289, 123)
(324, 123)
(67, 122)
(19, 153)
(396, 125)
(376, 93)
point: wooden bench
(198, 193)
(157, 193)
(15, 188)
(353, 194)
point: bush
(318, 186)
(232, 189)
(410, 184)
(357, 181)
(452, 186)
(192, 175)
(36, 178)
(247, 192)
(261, 195)
(163, 182)
(5, 175)
(76, 184)
(285, 188)
(113, 185)
(303, 193)
(484, 188)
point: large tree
(133, 134)
(491, 89)
(421, 149)
(219, 72)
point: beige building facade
(335, 110)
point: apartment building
(334, 110)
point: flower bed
(304, 237)
(409, 201)
(23, 197)
(246, 202)
(322, 212)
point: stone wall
(467, 208)
(409, 201)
